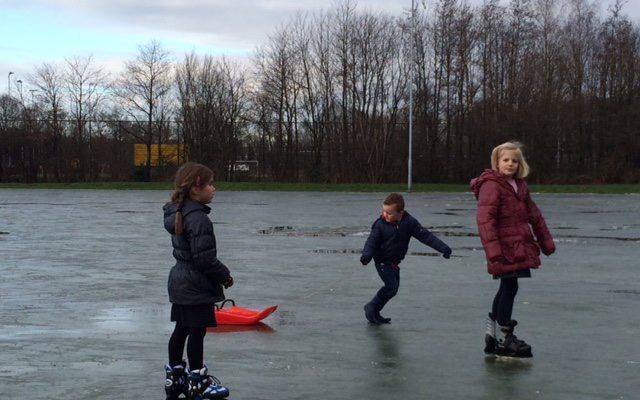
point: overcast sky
(37, 31)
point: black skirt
(193, 316)
(522, 273)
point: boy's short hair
(395, 198)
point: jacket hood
(170, 210)
(170, 217)
(486, 175)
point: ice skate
(176, 386)
(490, 335)
(204, 386)
(508, 345)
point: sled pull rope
(233, 303)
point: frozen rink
(84, 312)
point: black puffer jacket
(198, 275)
(388, 243)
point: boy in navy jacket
(387, 245)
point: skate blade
(501, 358)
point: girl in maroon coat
(506, 216)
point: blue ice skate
(176, 383)
(204, 386)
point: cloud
(50, 30)
(240, 24)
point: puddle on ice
(273, 230)
(623, 239)
(603, 211)
(625, 291)
(313, 232)
(335, 251)
(117, 319)
(617, 228)
(260, 327)
(446, 227)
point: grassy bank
(315, 187)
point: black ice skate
(508, 345)
(176, 384)
(490, 335)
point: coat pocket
(515, 251)
(534, 247)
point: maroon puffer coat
(503, 219)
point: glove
(228, 283)
(363, 260)
(447, 255)
(548, 248)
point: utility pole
(411, 66)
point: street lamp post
(32, 91)
(411, 66)
(20, 91)
(9, 83)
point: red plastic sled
(240, 316)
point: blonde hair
(523, 167)
(189, 175)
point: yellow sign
(169, 154)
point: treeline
(326, 99)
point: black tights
(195, 347)
(503, 302)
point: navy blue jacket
(388, 243)
(198, 275)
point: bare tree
(142, 91)
(10, 112)
(377, 90)
(279, 91)
(50, 82)
(87, 87)
(612, 139)
(328, 99)
(213, 109)
(579, 40)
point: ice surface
(84, 311)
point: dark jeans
(503, 301)
(195, 346)
(390, 275)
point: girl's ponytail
(178, 198)
(178, 223)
